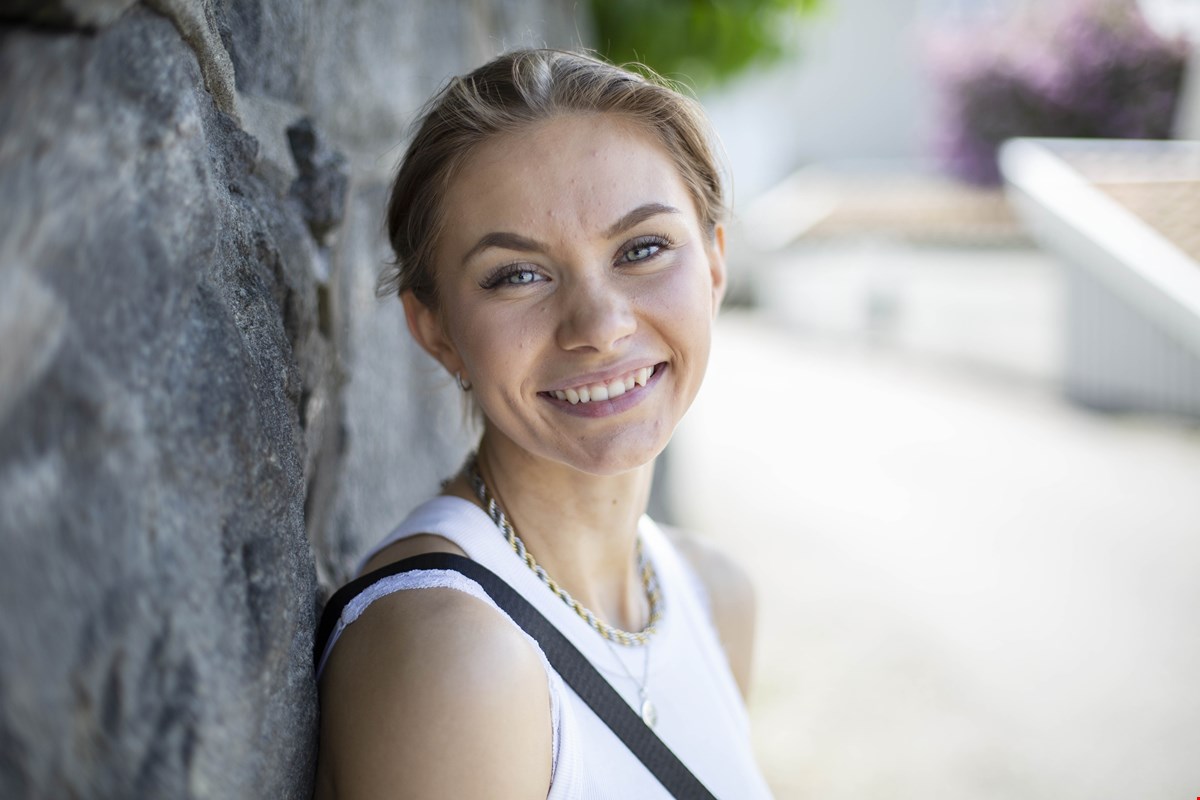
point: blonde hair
(514, 91)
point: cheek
(684, 299)
(687, 312)
(496, 341)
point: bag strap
(566, 659)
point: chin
(610, 459)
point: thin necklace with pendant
(648, 711)
(610, 634)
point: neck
(581, 528)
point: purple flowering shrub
(1096, 71)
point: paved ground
(968, 588)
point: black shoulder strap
(576, 670)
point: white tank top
(700, 712)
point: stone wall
(205, 413)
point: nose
(597, 313)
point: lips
(605, 390)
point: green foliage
(699, 42)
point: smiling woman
(557, 228)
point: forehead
(567, 175)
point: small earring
(463, 383)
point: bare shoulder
(432, 693)
(731, 597)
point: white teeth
(605, 391)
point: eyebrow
(639, 214)
(507, 241)
(515, 241)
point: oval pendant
(649, 714)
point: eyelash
(501, 275)
(661, 241)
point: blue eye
(641, 252)
(511, 275)
(643, 249)
(521, 276)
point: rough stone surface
(264, 39)
(151, 459)
(65, 13)
(198, 23)
(366, 103)
(403, 421)
(205, 412)
(322, 179)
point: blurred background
(951, 426)
(951, 420)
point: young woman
(560, 251)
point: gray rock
(198, 22)
(365, 103)
(65, 13)
(402, 417)
(322, 179)
(268, 41)
(152, 461)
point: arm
(429, 694)
(731, 597)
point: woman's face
(577, 291)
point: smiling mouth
(609, 390)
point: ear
(716, 265)
(425, 325)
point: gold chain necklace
(645, 568)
